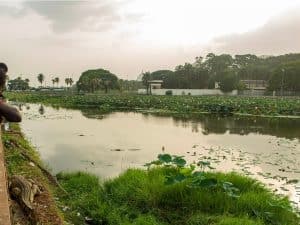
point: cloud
(12, 9)
(280, 35)
(84, 15)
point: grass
(16, 148)
(262, 106)
(142, 197)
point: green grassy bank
(22, 159)
(262, 106)
(173, 193)
(142, 197)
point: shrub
(169, 92)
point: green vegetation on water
(193, 197)
(263, 106)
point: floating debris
(294, 181)
(134, 149)
(117, 150)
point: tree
(56, 80)
(67, 81)
(93, 80)
(41, 78)
(166, 76)
(18, 84)
(71, 81)
(216, 64)
(130, 85)
(228, 81)
(53, 82)
(106, 84)
(245, 60)
(286, 77)
(145, 79)
(161, 74)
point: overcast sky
(64, 38)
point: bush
(169, 92)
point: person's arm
(10, 113)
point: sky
(65, 38)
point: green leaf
(233, 195)
(198, 174)
(165, 158)
(185, 171)
(203, 163)
(208, 183)
(227, 185)
(174, 179)
(169, 180)
(180, 177)
(192, 166)
(205, 182)
(156, 162)
(178, 161)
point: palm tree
(71, 81)
(53, 82)
(56, 80)
(145, 79)
(27, 80)
(67, 81)
(41, 78)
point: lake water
(72, 140)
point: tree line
(280, 72)
(23, 84)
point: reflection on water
(107, 144)
(41, 110)
(211, 124)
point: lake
(107, 144)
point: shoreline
(23, 160)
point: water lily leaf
(174, 179)
(203, 163)
(178, 161)
(180, 177)
(192, 167)
(165, 158)
(198, 174)
(208, 183)
(156, 162)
